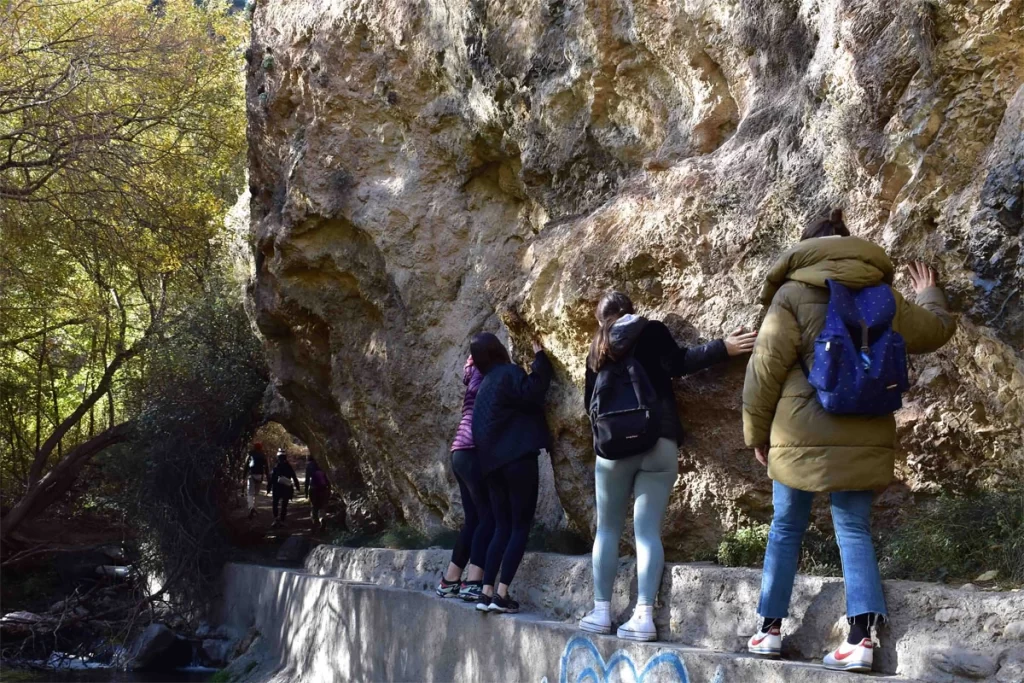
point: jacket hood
(850, 261)
(625, 332)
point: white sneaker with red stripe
(766, 642)
(848, 657)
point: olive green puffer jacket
(812, 450)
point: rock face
(422, 171)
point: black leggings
(281, 497)
(476, 531)
(513, 491)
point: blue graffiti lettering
(582, 663)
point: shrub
(958, 538)
(744, 547)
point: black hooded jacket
(662, 359)
(508, 415)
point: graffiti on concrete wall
(581, 662)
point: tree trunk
(59, 479)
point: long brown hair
(827, 227)
(610, 308)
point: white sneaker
(597, 621)
(851, 657)
(766, 642)
(638, 628)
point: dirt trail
(258, 532)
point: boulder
(151, 647)
(421, 173)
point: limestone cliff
(421, 171)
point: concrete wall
(936, 633)
(321, 629)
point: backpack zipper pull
(865, 350)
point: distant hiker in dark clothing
(478, 527)
(256, 468)
(510, 432)
(281, 485)
(318, 490)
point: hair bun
(836, 216)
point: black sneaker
(471, 590)
(503, 605)
(483, 603)
(446, 589)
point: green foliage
(196, 415)
(221, 676)
(744, 547)
(122, 138)
(959, 538)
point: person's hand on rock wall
(537, 347)
(761, 453)
(740, 342)
(921, 276)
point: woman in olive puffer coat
(808, 450)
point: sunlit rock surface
(421, 171)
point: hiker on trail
(256, 468)
(510, 433)
(318, 490)
(478, 526)
(825, 377)
(280, 484)
(628, 396)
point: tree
(121, 150)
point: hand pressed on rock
(921, 276)
(740, 342)
(537, 347)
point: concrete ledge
(323, 629)
(936, 633)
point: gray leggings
(650, 477)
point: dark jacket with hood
(662, 359)
(508, 415)
(282, 469)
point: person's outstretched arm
(927, 324)
(680, 360)
(775, 353)
(530, 389)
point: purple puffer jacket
(464, 435)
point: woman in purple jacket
(476, 532)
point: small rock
(969, 587)
(217, 652)
(994, 624)
(948, 614)
(962, 662)
(988, 576)
(1014, 630)
(930, 377)
(203, 631)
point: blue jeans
(851, 516)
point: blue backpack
(860, 362)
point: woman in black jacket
(280, 484)
(510, 432)
(647, 476)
